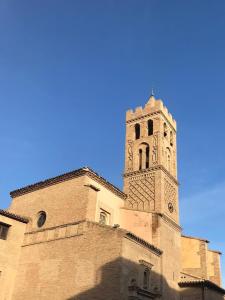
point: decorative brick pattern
(142, 192)
(170, 194)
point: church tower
(150, 180)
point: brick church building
(77, 236)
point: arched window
(150, 127)
(171, 138)
(147, 157)
(168, 159)
(146, 276)
(143, 159)
(140, 159)
(165, 129)
(137, 131)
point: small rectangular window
(4, 228)
(104, 217)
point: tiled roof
(13, 216)
(202, 283)
(76, 173)
(143, 242)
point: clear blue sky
(70, 69)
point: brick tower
(150, 179)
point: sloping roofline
(67, 176)
(195, 238)
(128, 234)
(215, 251)
(202, 283)
(143, 242)
(10, 215)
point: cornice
(149, 115)
(152, 169)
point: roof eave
(67, 176)
(10, 215)
(202, 283)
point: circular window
(41, 218)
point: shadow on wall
(124, 280)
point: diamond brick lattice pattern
(142, 193)
(170, 194)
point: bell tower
(150, 177)
(150, 182)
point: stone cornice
(67, 176)
(149, 115)
(151, 169)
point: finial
(152, 96)
(152, 93)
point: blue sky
(70, 69)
